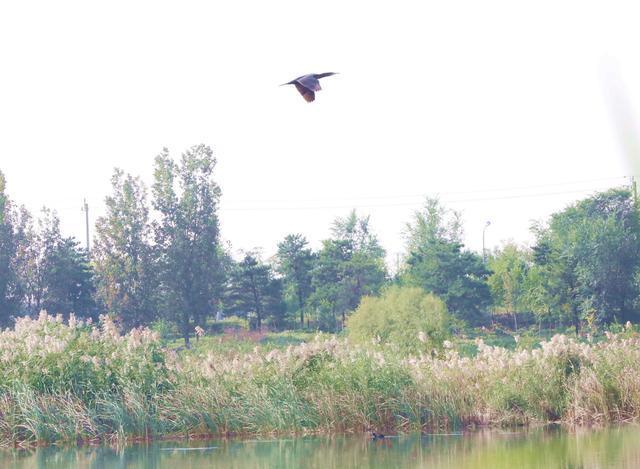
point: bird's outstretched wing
(310, 82)
(326, 74)
(306, 93)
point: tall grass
(64, 382)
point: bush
(230, 323)
(165, 329)
(409, 317)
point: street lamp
(484, 254)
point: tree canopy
(160, 256)
(437, 262)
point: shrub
(409, 317)
(234, 323)
(165, 329)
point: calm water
(618, 447)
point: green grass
(244, 341)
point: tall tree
(187, 235)
(9, 287)
(37, 243)
(437, 262)
(123, 255)
(509, 267)
(53, 271)
(537, 297)
(295, 263)
(591, 254)
(350, 265)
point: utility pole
(85, 209)
(634, 189)
(484, 253)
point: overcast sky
(497, 106)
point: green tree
(254, 292)
(9, 287)
(349, 266)
(537, 296)
(123, 255)
(187, 236)
(590, 253)
(437, 263)
(54, 271)
(295, 263)
(509, 267)
(36, 245)
(70, 287)
(433, 222)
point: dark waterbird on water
(307, 85)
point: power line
(439, 193)
(85, 209)
(442, 195)
(409, 204)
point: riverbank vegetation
(159, 331)
(77, 381)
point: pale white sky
(452, 98)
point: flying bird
(307, 85)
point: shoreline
(108, 441)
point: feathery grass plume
(60, 382)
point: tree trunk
(185, 330)
(301, 310)
(576, 320)
(256, 302)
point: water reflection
(549, 448)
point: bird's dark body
(307, 85)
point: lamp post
(484, 254)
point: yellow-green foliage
(409, 317)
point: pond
(540, 448)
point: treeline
(159, 256)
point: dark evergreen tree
(255, 293)
(295, 263)
(349, 266)
(437, 262)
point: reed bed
(64, 382)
